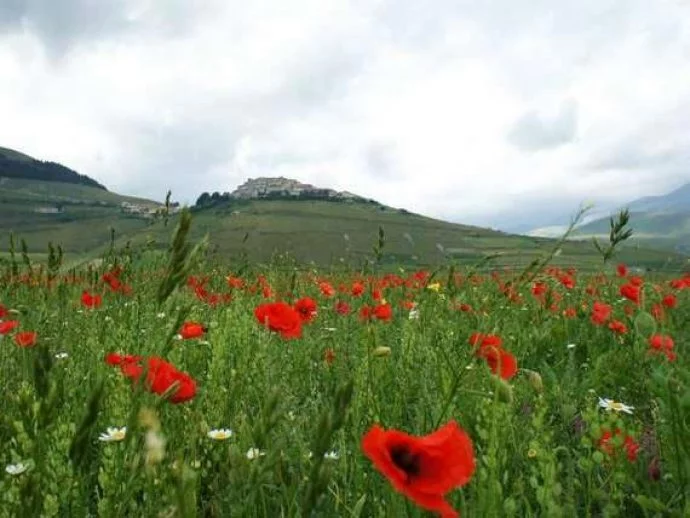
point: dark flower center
(406, 460)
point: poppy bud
(382, 351)
(535, 380)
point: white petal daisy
(616, 406)
(220, 434)
(113, 434)
(16, 469)
(254, 453)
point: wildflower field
(165, 386)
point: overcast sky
(487, 112)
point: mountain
(321, 225)
(261, 218)
(46, 201)
(657, 221)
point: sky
(509, 114)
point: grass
(539, 443)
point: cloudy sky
(507, 113)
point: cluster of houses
(267, 187)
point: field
(174, 385)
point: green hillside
(330, 232)
(78, 215)
(661, 230)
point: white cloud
(483, 112)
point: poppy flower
(570, 312)
(306, 309)
(383, 312)
(91, 301)
(281, 318)
(618, 327)
(629, 445)
(3, 311)
(191, 330)
(161, 377)
(425, 468)
(7, 326)
(234, 282)
(662, 344)
(116, 359)
(500, 361)
(621, 270)
(26, 338)
(631, 292)
(600, 313)
(670, 301)
(539, 289)
(357, 289)
(327, 289)
(342, 308)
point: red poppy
(621, 270)
(357, 289)
(662, 344)
(115, 359)
(91, 301)
(365, 312)
(570, 312)
(631, 292)
(234, 282)
(191, 330)
(500, 361)
(618, 327)
(26, 338)
(658, 312)
(161, 377)
(424, 468)
(567, 281)
(3, 312)
(306, 308)
(342, 308)
(636, 280)
(327, 289)
(629, 444)
(670, 301)
(280, 317)
(600, 313)
(7, 326)
(383, 312)
(539, 289)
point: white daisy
(220, 434)
(113, 434)
(616, 406)
(61, 356)
(414, 314)
(330, 329)
(16, 469)
(329, 455)
(570, 346)
(254, 453)
(160, 315)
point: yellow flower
(436, 286)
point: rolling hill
(259, 219)
(44, 201)
(658, 221)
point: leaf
(357, 509)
